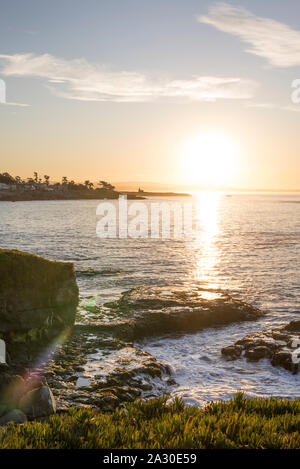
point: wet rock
(99, 365)
(38, 403)
(279, 345)
(89, 272)
(283, 358)
(171, 382)
(38, 300)
(14, 416)
(256, 353)
(293, 326)
(149, 311)
(233, 351)
(103, 372)
(107, 402)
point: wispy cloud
(275, 41)
(262, 105)
(291, 108)
(14, 104)
(81, 80)
(273, 106)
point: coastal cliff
(38, 300)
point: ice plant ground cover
(239, 423)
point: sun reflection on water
(207, 253)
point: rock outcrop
(151, 311)
(279, 345)
(38, 300)
(99, 371)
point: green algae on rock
(38, 299)
(99, 371)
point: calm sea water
(247, 245)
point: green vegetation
(39, 183)
(22, 271)
(38, 301)
(239, 423)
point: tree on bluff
(106, 185)
(6, 178)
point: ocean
(247, 245)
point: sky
(177, 92)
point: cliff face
(38, 297)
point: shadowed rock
(150, 311)
(38, 300)
(38, 402)
(278, 345)
(15, 416)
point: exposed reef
(94, 370)
(278, 345)
(100, 364)
(152, 311)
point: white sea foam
(248, 245)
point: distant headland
(40, 188)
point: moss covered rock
(38, 298)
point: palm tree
(88, 184)
(35, 176)
(47, 179)
(106, 185)
(64, 180)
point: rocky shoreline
(151, 311)
(60, 355)
(278, 345)
(43, 195)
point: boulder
(38, 403)
(232, 351)
(256, 353)
(293, 326)
(38, 300)
(12, 388)
(14, 416)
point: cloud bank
(81, 80)
(270, 39)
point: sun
(210, 160)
